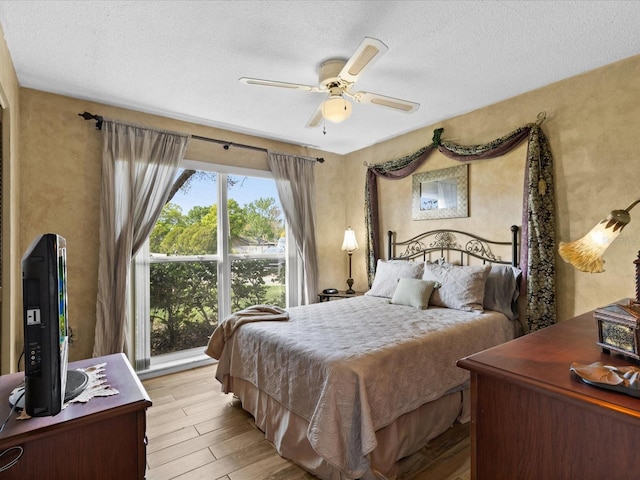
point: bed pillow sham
(387, 274)
(414, 292)
(462, 287)
(502, 290)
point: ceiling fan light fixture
(336, 108)
(337, 77)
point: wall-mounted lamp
(349, 244)
(586, 253)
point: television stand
(103, 438)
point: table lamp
(349, 244)
(618, 324)
(586, 253)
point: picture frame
(441, 193)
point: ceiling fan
(336, 78)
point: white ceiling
(182, 59)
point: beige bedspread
(353, 366)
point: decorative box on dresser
(101, 439)
(534, 420)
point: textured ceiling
(182, 59)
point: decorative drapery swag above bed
(537, 257)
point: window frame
(140, 286)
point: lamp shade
(586, 253)
(349, 243)
(336, 108)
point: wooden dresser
(101, 439)
(534, 420)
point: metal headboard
(445, 241)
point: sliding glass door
(219, 246)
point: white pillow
(387, 275)
(414, 292)
(462, 287)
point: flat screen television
(46, 324)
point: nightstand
(325, 297)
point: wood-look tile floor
(196, 432)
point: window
(203, 261)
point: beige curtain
(296, 188)
(138, 168)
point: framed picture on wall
(441, 193)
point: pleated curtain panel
(138, 168)
(295, 183)
(537, 252)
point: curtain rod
(226, 145)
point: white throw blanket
(228, 326)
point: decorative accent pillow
(501, 290)
(387, 274)
(462, 286)
(414, 292)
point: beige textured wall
(11, 320)
(60, 169)
(592, 124)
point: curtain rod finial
(91, 116)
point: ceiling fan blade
(383, 101)
(273, 83)
(316, 118)
(367, 53)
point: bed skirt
(408, 434)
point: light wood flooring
(196, 432)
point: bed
(347, 388)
